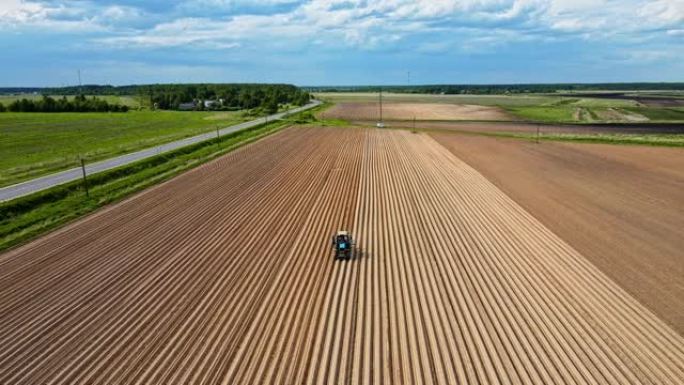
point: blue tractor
(343, 244)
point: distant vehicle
(342, 243)
(380, 125)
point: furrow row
(226, 275)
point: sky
(340, 42)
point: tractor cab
(342, 244)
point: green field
(33, 144)
(592, 114)
(544, 113)
(661, 114)
(665, 140)
(29, 216)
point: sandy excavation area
(622, 207)
(409, 111)
(225, 275)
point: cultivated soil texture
(409, 111)
(622, 207)
(225, 275)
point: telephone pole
(380, 104)
(85, 181)
(80, 85)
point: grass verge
(663, 140)
(644, 140)
(27, 217)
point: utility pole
(85, 181)
(538, 127)
(408, 78)
(414, 123)
(380, 104)
(80, 85)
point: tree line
(227, 96)
(267, 97)
(79, 103)
(485, 89)
(171, 96)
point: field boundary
(655, 139)
(30, 216)
(41, 183)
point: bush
(79, 104)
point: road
(45, 182)
(225, 275)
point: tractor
(342, 244)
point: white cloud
(69, 16)
(50, 17)
(358, 23)
(119, 12)
(663, 12)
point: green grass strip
(662, 140)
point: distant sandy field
(419, 111)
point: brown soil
(419, 111)
(661, 102)
(225, 275)
(622, 207)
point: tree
(302, 99)
(270, 105)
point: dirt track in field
(225, 275)
(622, 207)
(409, 111)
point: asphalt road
(45, 182)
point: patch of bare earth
(613, 115)
(622, 207)
(577, 114)
(661, 102)
(419, 111)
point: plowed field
(622, 207)
(225, 275)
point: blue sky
(340, 42)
